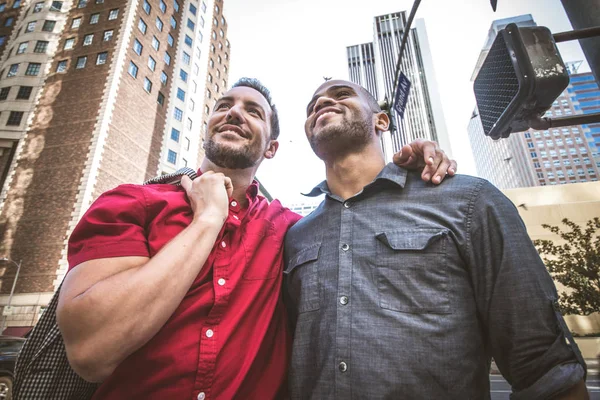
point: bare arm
(100, 300)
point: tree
(575, 264)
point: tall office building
(373, 66)
(93, 94)
(539, 158)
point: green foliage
(575, 264)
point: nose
(234, 114)
(323, 101)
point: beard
(226, 157)
(341, 139)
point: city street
(501, 390)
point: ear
(382, 121)
(271, 149)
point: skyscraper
(93, 94)
(538, 158)
(373, 66)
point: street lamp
(12, 291)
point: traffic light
(519, 80)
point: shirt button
(344, 300)
(347, 204)
(236, 217)
(345, 247)
(201, 396)
(221, 282)
(343, 367)
(233, 203)
(223, 244)
(209, 333)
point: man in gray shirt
(399, 290)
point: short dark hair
(262, 89)
(373, 103)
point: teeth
(322, 115)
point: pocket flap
(308, 254)
(417, 239)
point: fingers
(453, 168)
(186, 183)
(228, 186)
(403, 156)
(441, 172)
(430, 152)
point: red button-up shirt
(228, 339)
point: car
(9, 349)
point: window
(196, 69)
(184, 162)
(543, 154)
(160, 99)
(48, 26)
(218, 73)
(576, 161)
(167, 58)
(191, 25)
(211, 63)
(94, 18)
(88, 39)
(163, 78)
(194, 87)
(61, 66)
(162, 6)
(186, 58)
(227, 56)
(537, 165)
(203, 7)
(212, 48)
(30, 27)
(142, 26)
(175, 134)
(183, 75)
(40, 46)
(221, 33)
(176, 5)
(198, 52)
(107, 35)
(579, 171)
(4, 93)
(137, 47)
(208, 94)
(178, 114)
(569, 141)
(14, 119)
(155, 43)
(192, 105)
(133, 69)
(76, 23)
(215, 21)
(101, 58)
(147, 7)
(56, 6)
(214, 35)
(201, 24)
(187, 143)
(563, 152)
(99, 1)
(151, 63)
(222, 20)
(530, 145)
(9, 21)
(181, 94)
(81, 61)
(17, 4)
(219, 60)
(227, 43)
(2, 39)
(566, 162)
(189, 124)
(556, 163)
(39, 6)
(33, 69)
(82, 3)
(553, 153)
(206, 110)
(193, 9)
(22, 47)
(173, 22)
(210, 78)
(24, 92)
(12, 71)
(188, 41)
(225, 68)
(113, 14)
(216, 9)
(170, 40)
(147, 85)
(159, 24)
(578, 140)
(69, 43)
(221, 48)
(216, 88)
(172, 157)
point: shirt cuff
(556, 380)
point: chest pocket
(411, 270)
(302, 277)
(262, 249)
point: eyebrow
(246, 103)
(331, 88)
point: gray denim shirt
(406, 291)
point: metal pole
(586, 14)
(547, 123)
(12, 291)
(578, 34)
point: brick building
(93, 94)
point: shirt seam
(469, 217)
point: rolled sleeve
(113, 226)
(516, 300)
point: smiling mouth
(323, 115)
(235, 130)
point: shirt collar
(251, 191)
(391, 173)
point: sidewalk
(593, 365)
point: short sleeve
(112, 227)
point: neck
(240, 178)
(349, 174)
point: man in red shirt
(174, 292)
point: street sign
(402, 93)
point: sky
(290, 45)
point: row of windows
(33, 69)
(16, 4)
(23, 94)
(62, 65)
(15, 118)
(95, 18)
(562, 152)
(87, 39)
(570, 172)
(161, 5)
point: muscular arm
(110, 307)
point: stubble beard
(341, 139)
(226, 157)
